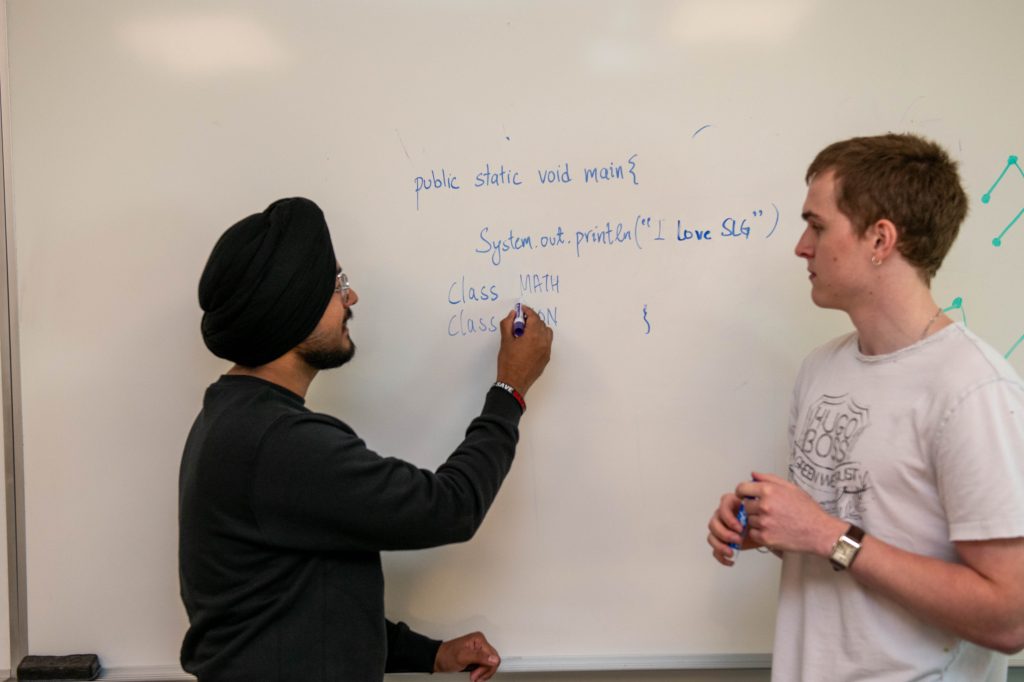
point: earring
(875, 261)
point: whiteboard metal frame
(534, 664)
(11, 399)
(522, 664)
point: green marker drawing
(1011, 162)
(998, 241)
(957, 304)
(1014, 347)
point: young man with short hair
(901, 527)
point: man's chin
(330, 358)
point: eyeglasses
(342, 287)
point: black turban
(267, 283)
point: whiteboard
(640, 170)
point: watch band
(855, 533)
(845, 551)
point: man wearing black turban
(283, 512)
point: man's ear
(883, 236)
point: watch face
(844, 553)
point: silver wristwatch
(846, 548)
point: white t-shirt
(920, 448)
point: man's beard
(319, 355)
(327, 358)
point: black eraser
(73, 667)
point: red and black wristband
(512, 392)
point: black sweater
(283, 513)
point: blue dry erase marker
(519, 324)
(741, 516)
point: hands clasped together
(780, 517)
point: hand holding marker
(519, 324)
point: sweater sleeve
(317, 486)
(408, 651)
